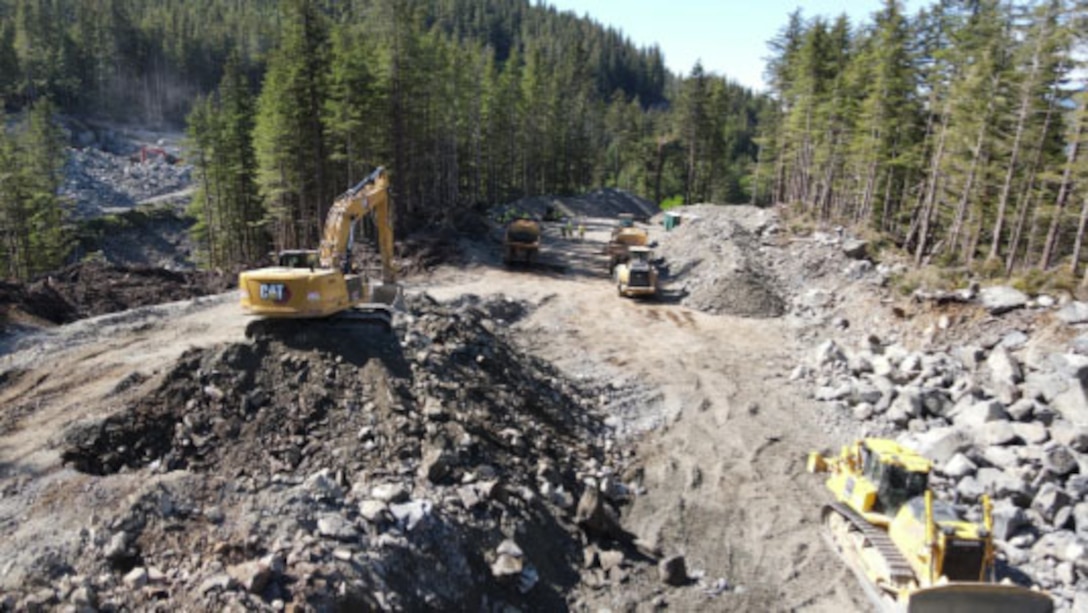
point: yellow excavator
(311, 284)
(911, 552)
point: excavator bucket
(972, 597)
(388, 294)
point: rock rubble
(322, 469)
(1008, 419)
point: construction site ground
(717, 437)
(721, 437)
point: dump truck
(521, 241)
(624, 236)
(910, 551)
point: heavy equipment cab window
(298, 260)
(870, 466)
(942, 511)
(898, 486)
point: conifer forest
(955, 134)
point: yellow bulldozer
(912, 553)
(636, 275)
(311, 284)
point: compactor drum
(911, 552)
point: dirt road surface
(720, 437)
(723, 436)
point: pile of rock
(97, 181)
(338, 469)
(735, 260)
(1008, 418)
(717, 261)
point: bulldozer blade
(971, 597)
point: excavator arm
(371, 195)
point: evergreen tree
(32, 216)
(290, 137)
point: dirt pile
(335, 468)
(605, 202)
(93, 288)
(716, 261)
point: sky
(729, 36)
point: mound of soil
(716, 261)
(347, 469)
(91, 288)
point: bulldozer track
(897, 565)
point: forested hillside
(468, 102)
(958, 133)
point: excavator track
(350, 319)
(899, 572)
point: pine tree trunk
(1063, 195)
(1081, 226)
(930, 202)
(1014, 154)
(969, 184)
(1024, 202)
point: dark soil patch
(88, 289)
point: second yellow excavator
(308, 284)
(912, 553)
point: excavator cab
(298, 258)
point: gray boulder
(1059, 460)
(1070, 365)
(1068, 434)
(959, 467)
(1044, 386)
(1077, 486)
(1000, 299)
(970, 488)
(336, 527)
(1004, 485)
(1032, 433)
(940, 444)
(828, 353)
(980, 413)
(855, 248)
(968, 355)
(1000, 457)
(998, 433)
(1008, 518)
(1013, 340)
(1079, 345)
(1021, 410)
(1004, 368)
(1049, 501)
(1073, 313)
(1080, 518)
